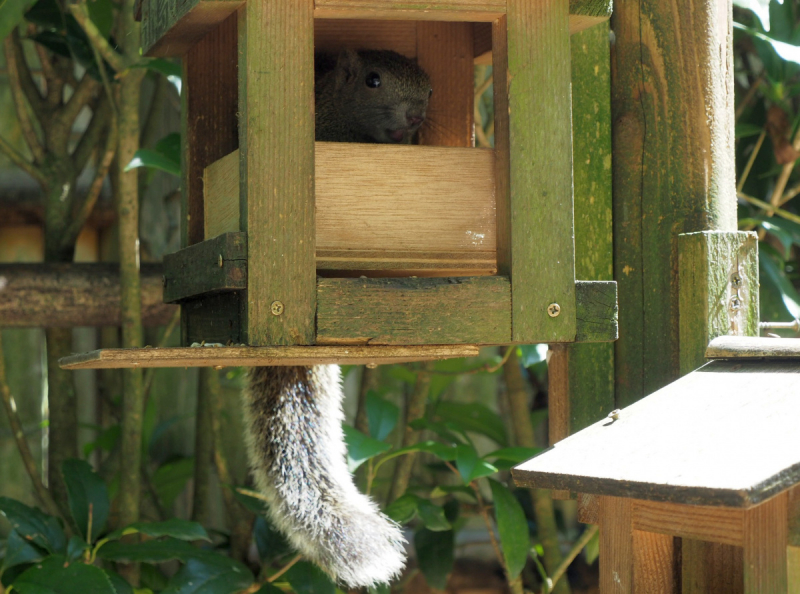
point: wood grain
(765, 541)
(654, 568)
(684, 443)
(793, 571)
(335, 35)
(616, 546)
(701, 522)
(221, 196)
(793, 512)
(542, 257)
(172, 28)
(441, 10)
(276, 120)
(749, 347)
(414, 311)
(711, 568)
(210, 356)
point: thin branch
(579, 545)
(150, 126)
(53, 85)
(789, 195)
(92, 135)
(789, 216)
(20, 103)
(485, 368)
(109, 54)
(786, 172)
(751, 92)
(32, 93)
(81, 96)
(20, 161)
(751, 160)
(22, 444)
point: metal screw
(276, 308)
(220, 260)
(736, 304)
(736, 281)
(163, 281)
(553, 310)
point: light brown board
(711, 568)
(703, 522)
(685, 443)
(654, 567)
(749, 347)
(414, 311)
(276, 130)
(172, 28)
(221, 196)
(340, 34)
(765, 542)
(442, 10)
(616, 546)
(210, 356)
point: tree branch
(54, 85)
(81, 96)
(150, 126)
(81, 14)
(20, 161)
(92, 135)
(20, 104)
(32, 93)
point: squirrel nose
(414, 120)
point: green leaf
(435, 555)
(105, 441)
(170, 147)
(170, 479)
(11, 15)
(402, 509)
(461, 492)
(34, 526)
(174, 527)
(746, 130)
(88, 498)
(119, 584)
(20, 551)
(784, 237)
(772, 273)
(432, 516)
(759, 7)
(102, 14)
(254, 504)
(212, 575)
(170, 70)
(55, 576)
(444, 430)
(382, 415)
(76, 548)
(360, 447)
(269, 588)
(150, 551)
(380, 589)
(154, 160)
(517, 455)
(512, 527)
(270, 543)
(787, 51)
(307, 578)
(531, 354)
(440, 450)
(470, 466)
(472, 416)
(46, 14)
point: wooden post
(765, 541)
(616, 546)
(276, 139)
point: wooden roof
(727, 434)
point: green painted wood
(594, 8)
(276, 132)
(597, 312)
(172, 27)
(211, 266)
(469, 310)
(718, 295)
(213, 319)
(591, 366)
(541, 262)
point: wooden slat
(655, 570)
(702, 522)
(210, 356)
(221, 196)
(340, 34)
(444, 51)
(711, 568)
(765, 542)
(276, 119)
(749, 347)
(638, 454)
(440, 10)
(215, 318)
(542, 259)
(385, 263)
(616, 546)
(793, 570)
(172, 28)
(596, 311)
(414, 311)
(219, 264)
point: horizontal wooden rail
(70, 295)
(753, 347)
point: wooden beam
(616, 546)
(711, 568)
(765, 541)
(235, 356)
(70, 295)
(172, 28)
(655, 570)
(748, 347)
(443, 10)
(702, 522)
(340, 34)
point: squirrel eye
(373, 80)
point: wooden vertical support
(793, 551)
(444, 51)
(276, 111)
(540, 254)
(711, 568)
(616, 546)
(765, 541)
(654, 568)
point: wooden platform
(752, 347)
(725, 434)
(221, 356)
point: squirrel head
(381, 94)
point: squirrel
(294, 414)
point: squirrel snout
(414, 120)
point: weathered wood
(443, 10)
(684, 443)
(211, 266)
(215, 318)
(482, 43)
(673, 169)
(356, 34)
(588, 508)
(616, 546)
(276, 129)
(654, 567)
(414, 311)
(765, 541)
(711, 568)
(702, 522)
(435, 208)
(542, 258)
(221, 196)
(172, 28)
(750, 347)
(793, 570)
(220, 356)
(718, 294)
(596, 311)
(70, 295)
(445, 52)
(793, 507)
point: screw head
(736, 281)
(276, 308)
(553, 310)
(736, 304)
(221, 262)
(163, 281)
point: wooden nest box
(325, 251)
(714, 458)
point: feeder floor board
(724, 435)
(753, 347)
(210, 356)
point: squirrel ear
(348, 66)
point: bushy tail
(297, 453)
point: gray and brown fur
(294, 414)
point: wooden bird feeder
(714, 456)
(331, 251)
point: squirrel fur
(294, 414)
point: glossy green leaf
(360, 447)
(255, 504)
(150, 551)
(170, 70)
(88, 498)
(531, 354)
(11, 15)
(102, 14)
(512, 527)
(76, 547)
(592, 549)
(444, 430)
(19, 551)
(403, 509)
(55, 576)
(432, 516)
(772, 273)
(174, 527)
(746, 130)
(269, 588)
(460, 492)
(472, 416)
(270, 543)
(212, 575)
(759, 7)
(470, 466)
(435, 555)
(382, 415)
(517, 455)
(170, 147)
(307, 578)
(170, 479)
(34, 526)
(787, 51)
(154, 160)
